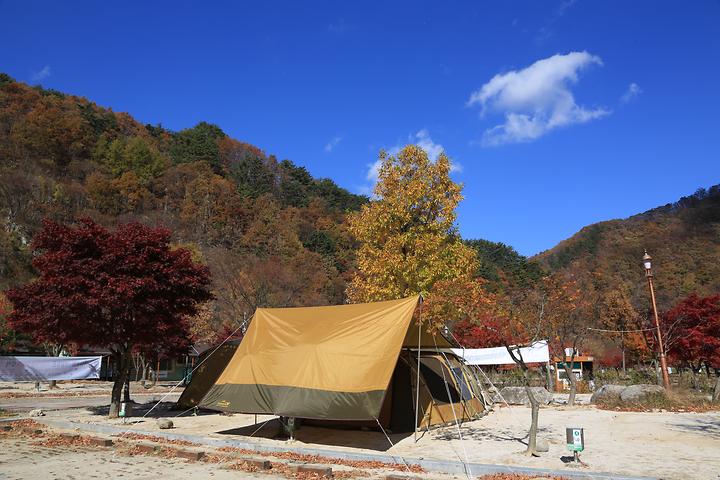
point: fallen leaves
(304, 458)
(155, 439)
(54, 441)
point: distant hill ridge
(682, 237)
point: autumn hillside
(683, 239)
(272, 233)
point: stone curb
(319, 470)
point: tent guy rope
(184, 378)
(466, 462)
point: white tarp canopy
(35, 369)
(538, 352)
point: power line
(621, 331)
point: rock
(164, 423)
(607, 394)
(636, 393)
(517, 396)
(542, 445)
(36, 413)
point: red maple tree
(126, 290)
(697, 337)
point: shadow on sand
(704, 426)
(331, 436)
(162, 410)
(483, 433)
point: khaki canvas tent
(211, 364)
(348, 363)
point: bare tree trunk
(573, 383)
(534, 404)
(155, 376)
(144, 365)
(693, 372)
(534, 416)
(716, 390)
(122, 367)
(126, 389)
(52, 350)
(622, 343)
(549, 379)
(136, 365)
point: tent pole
(417, 383)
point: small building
(582, 368)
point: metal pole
(417, 383)
(663, 362)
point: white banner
(35, 369)
(536, 353)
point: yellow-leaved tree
(407, 233)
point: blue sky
(557, 114)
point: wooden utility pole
(647, 263)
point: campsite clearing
(663, 445)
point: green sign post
(575, 438)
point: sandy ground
(19, 459)
(40, 456)
(664, 445)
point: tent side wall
(441, 397)
(398, 408)
(211, 363)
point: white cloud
(373, 171)
(330, 146)
(536, 99)
(42, 74)
(631, 93)
(423, 140)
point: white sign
(536, 353)
(34, 369)
(575, 439)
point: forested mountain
(502, 266)
(683, 238)
(271, 233)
